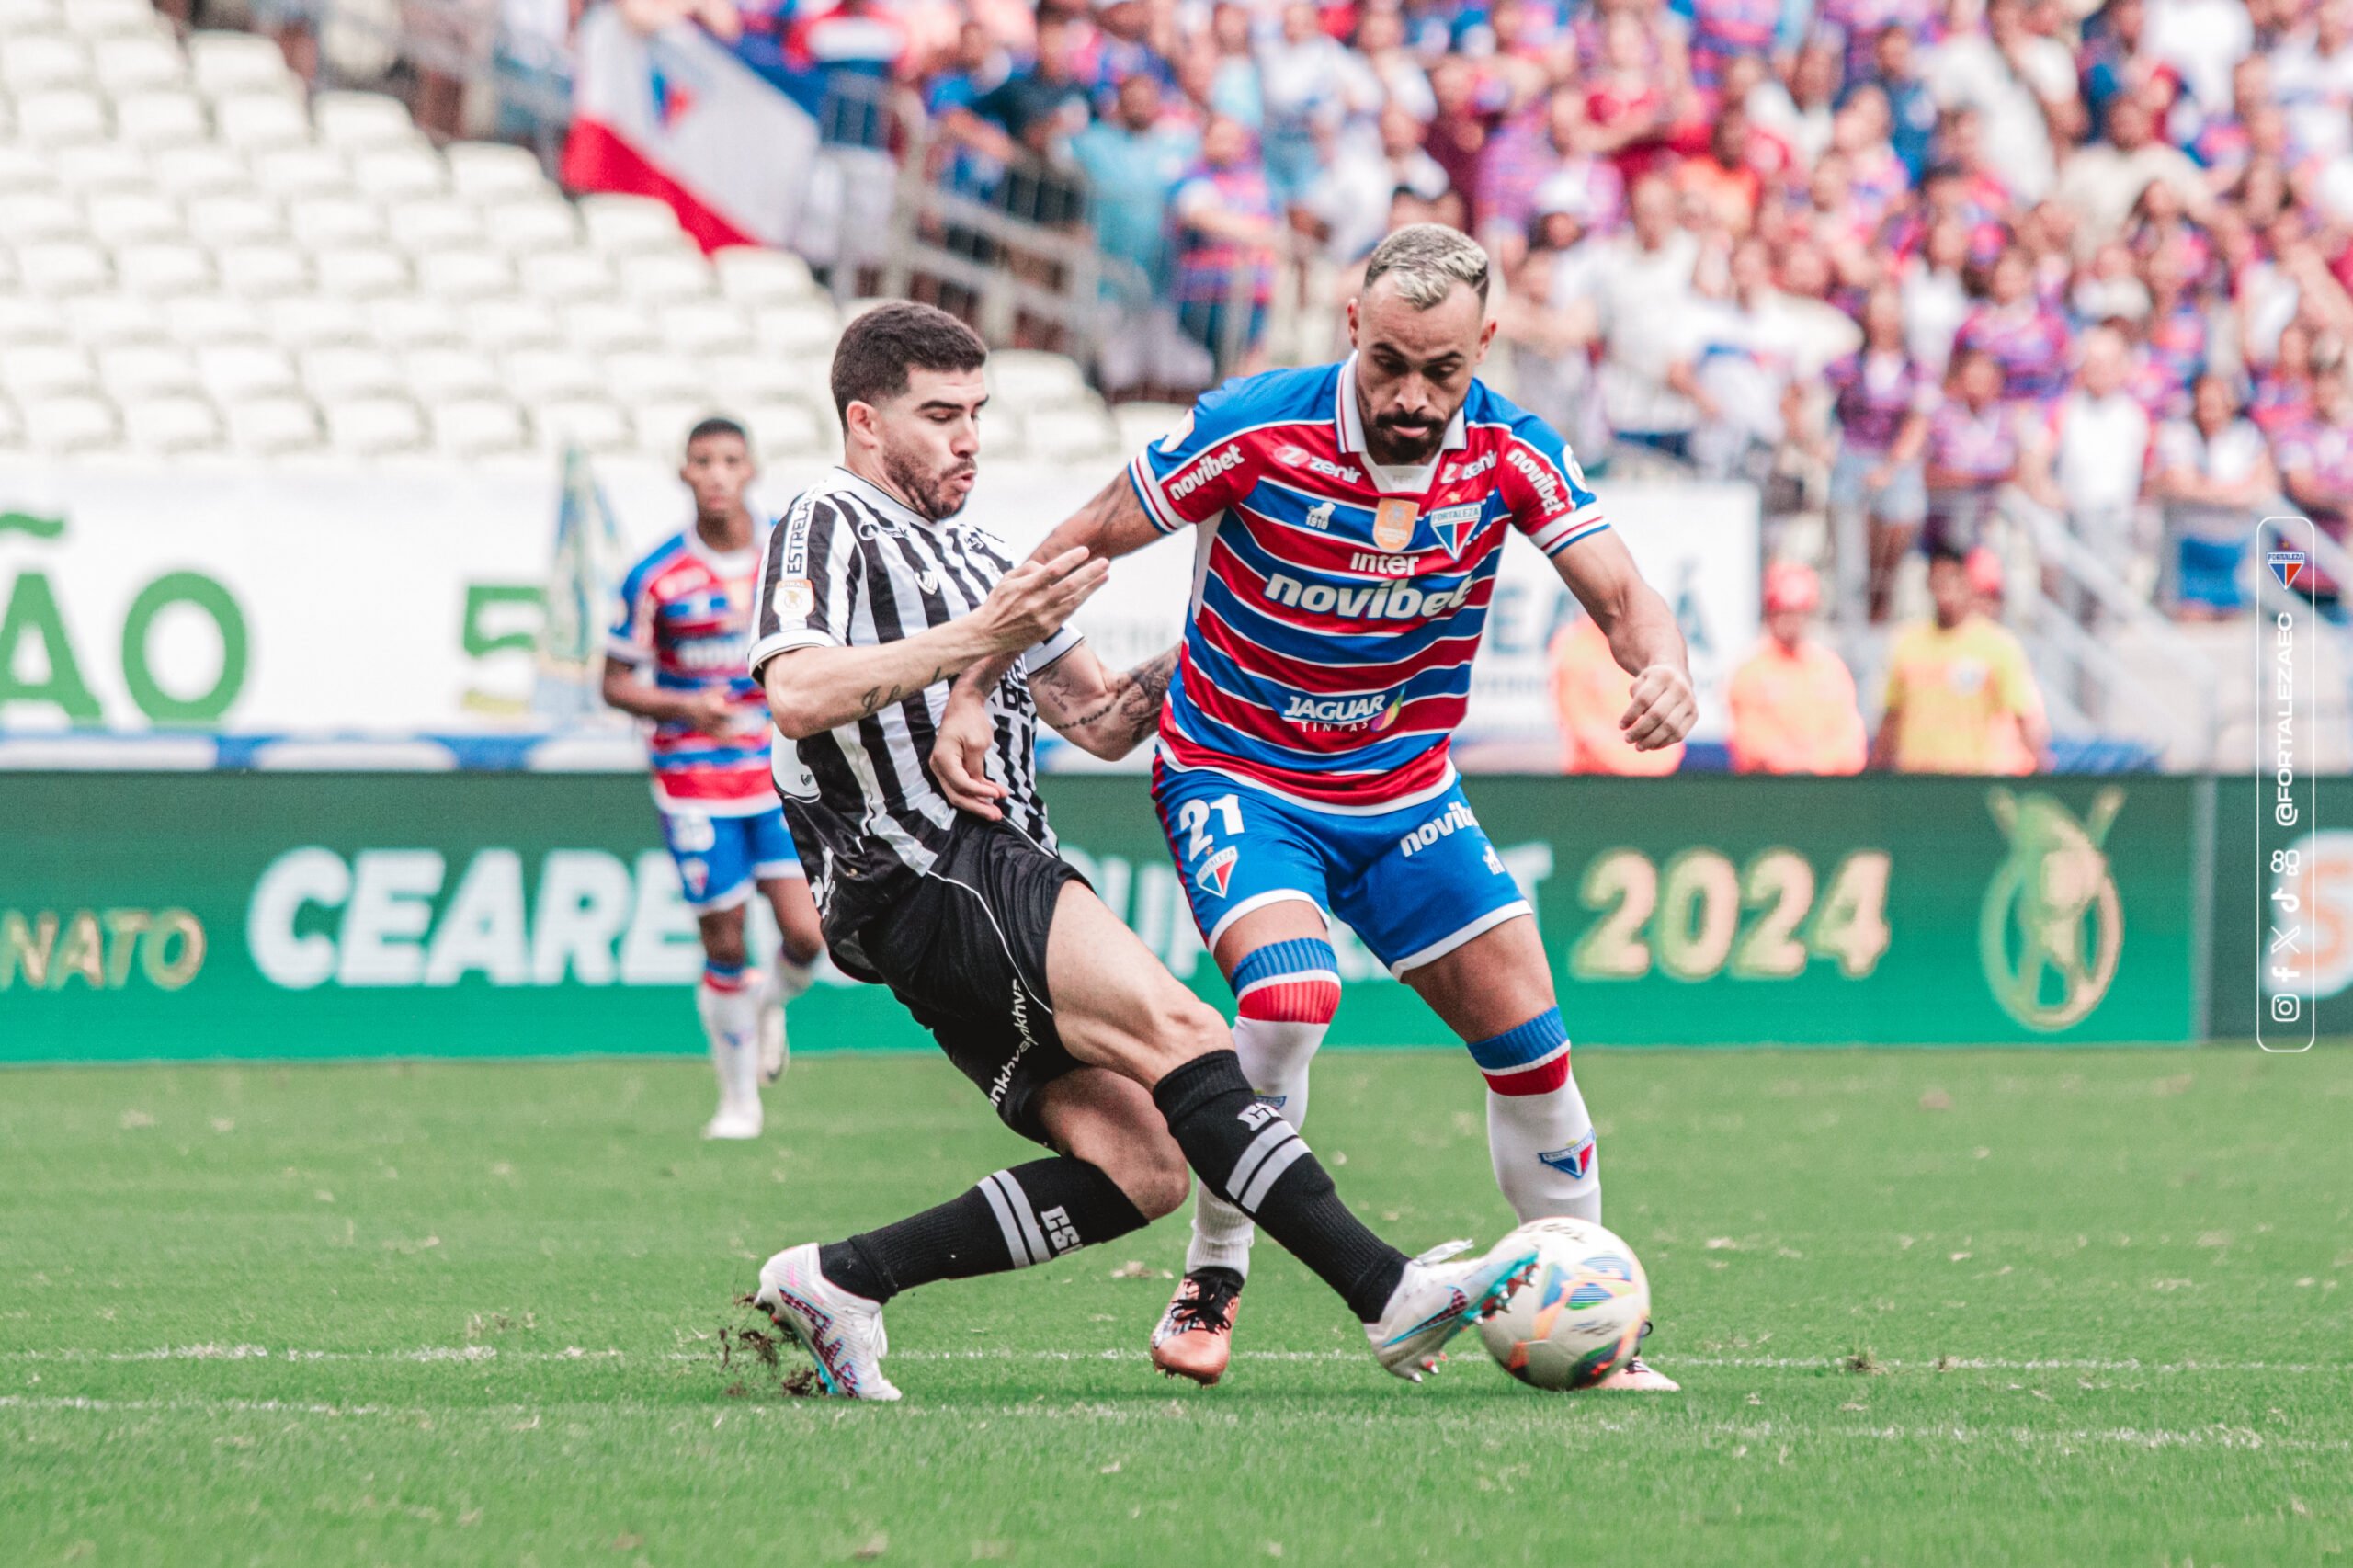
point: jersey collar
(891, 507)
(1351, 427)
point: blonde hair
(1426, 261)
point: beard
(1398, 445)
(930, 493)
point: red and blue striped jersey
(1337, 608)
(685, 618)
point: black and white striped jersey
(849, 567)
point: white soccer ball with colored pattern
(1580, 1317)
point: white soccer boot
(841, 1332)
(776, 1053)
(1438, 1299)
(1637, 1376)
(735, 1123)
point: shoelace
(1208, 1308)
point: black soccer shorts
(966, 953)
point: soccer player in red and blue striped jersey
(676, 659)
(1348, 521)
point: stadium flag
(584, 569)
(680, 116)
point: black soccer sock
(1011, 1220)
(1255, 1160)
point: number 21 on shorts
(1211, 865)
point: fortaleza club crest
(2288, 565)
(2052, 927)
(1217, 871)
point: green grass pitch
(2080, 1307)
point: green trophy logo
(2052, 927)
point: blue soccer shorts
(1414, 883)
(721, 857)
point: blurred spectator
(1972, 451)
(2212, 470)
(1133, 162)
(1960, 697)
(2088, 459)
(2021, 83)
(1936, 295)
(1350, 206)
(1590, 697)
(1882, 398)
(1793, 708)
(2103, 180)
(1227, 231)
(1745, 361)
(2315, 458)
(1893, 70)
(1310, 84)
(1642, 289)
(2021, 334)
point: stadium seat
(160, 118)
(1073, 433)
(132, 370)
(30, 62)
(407, 321)
(529, 226)
(386, 173)
(240, 372)
(25, 17)
(90, 167)
(296, 172)
(661, 278)
(751, 275)
(432, 223)
(740, 380)
(600, 327)
(591, 424)
(28, 215)
(272, 426)
(703, 327)
(1140, 424)
(541, 375)
(359, 272)
(21, 168)
(70, 423)
(784, 430)
(443, 375)
(479, 426)
(804, 331)
(94, 18)
(313, 320)
(162, 267)
(12, 427)
(223, 63)
(169, 426)
(32, 371)
(1031, 380)
(618, 226)
(463, 275)
(7, 120)
(493, 173)
(191, 172)
(662, 424)
(373, 427)
(355, 121)
(200, 321)
(498, 325)
(264, 269)
(342, 372)
(255, 122)
(60, 116)
(135, 61)
(24, 318)
(647, 373)
(561, 276)
(104, 319)
(56, 267)
(224, 218)
(117, 218)
(319, 222)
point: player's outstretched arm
(1104, 714)
(1642, 636)
(813, 689)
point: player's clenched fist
(960, 753)
(1663, 711)
(1030, 602)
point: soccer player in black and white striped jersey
(873, 598)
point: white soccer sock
(1543, 1153)
(1274, 1058)
(731, 1018)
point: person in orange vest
(1793, 708)
(1590, 698)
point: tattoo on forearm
(875, 698)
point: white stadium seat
(478, 427)
(491, 173)
(355, 120)
(784, 430)
(463, 275)
(498, 325)
(339, 373)
(804, 331)
(642, 373)
(61, 267)
(256, 123)
(404, 321)
(200, 321)
(27, 215)
(374, 426)
(541, 375)
(91, 167)
(97, 17)
(531, 226)
(29, 61)
(751, 275)
(703, 327)
(313, 320)
(131, 61)
(432, 222)
(73, 423)
(264, 269)
(319, 222)
(662, 424)
(162, 267)
(746, 378)
(21, 168)
(293, 173)
(603, 327)
(1028, 378)
(12, 427)
(661, 278)
(444, 375)
(191, 172)
(357, 272)
(239, 372)
(590, 424)
(103, 320)
(146, 369)
(115, 218)
(25, 17)
(269, 426)
(221, 63)
(623, 224)
(1142, 423)
(562, 277)
(60, 116)
(233, 218)
(161, 117)
(1073, 433)
(32, 371)
(386, 173)
(25, 318)
(169, 426)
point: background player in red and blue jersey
(1349, 522)
(675, 657)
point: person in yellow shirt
(1960, 697)
(1793, 708)
(1591, 694)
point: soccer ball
(1581, 1317)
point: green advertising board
(319, 915)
